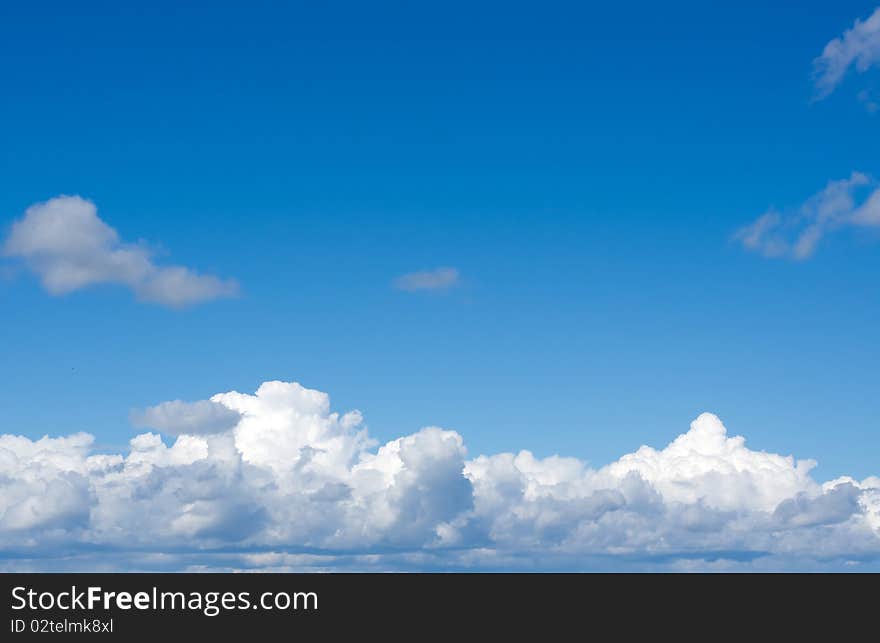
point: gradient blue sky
(584, 168)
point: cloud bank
(858, 47)
(66, 244)
(293, 485)
(850, 202)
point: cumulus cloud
(850, 202)
(293, 485)
(69, 247)
(439, 279)
(858, 47)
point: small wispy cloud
(796, 234)
(69, 247)
(859, 46)
(439, 279)
(870, 101)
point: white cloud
(439, 279)
(69, 247)
(859, 46)
(797, 234)
(293, 485)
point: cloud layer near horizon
(294, 485)
(66, 244)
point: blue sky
(584, 169)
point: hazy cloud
(293, 485)
(193, 418)
(869, 100)
(439, 279)
(796, 234)
(69, 247)
(859, 46)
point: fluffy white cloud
(69, 247)
(796, 235)
(293, 485)
(859, 46)
(439, 279)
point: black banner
(426, 605)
